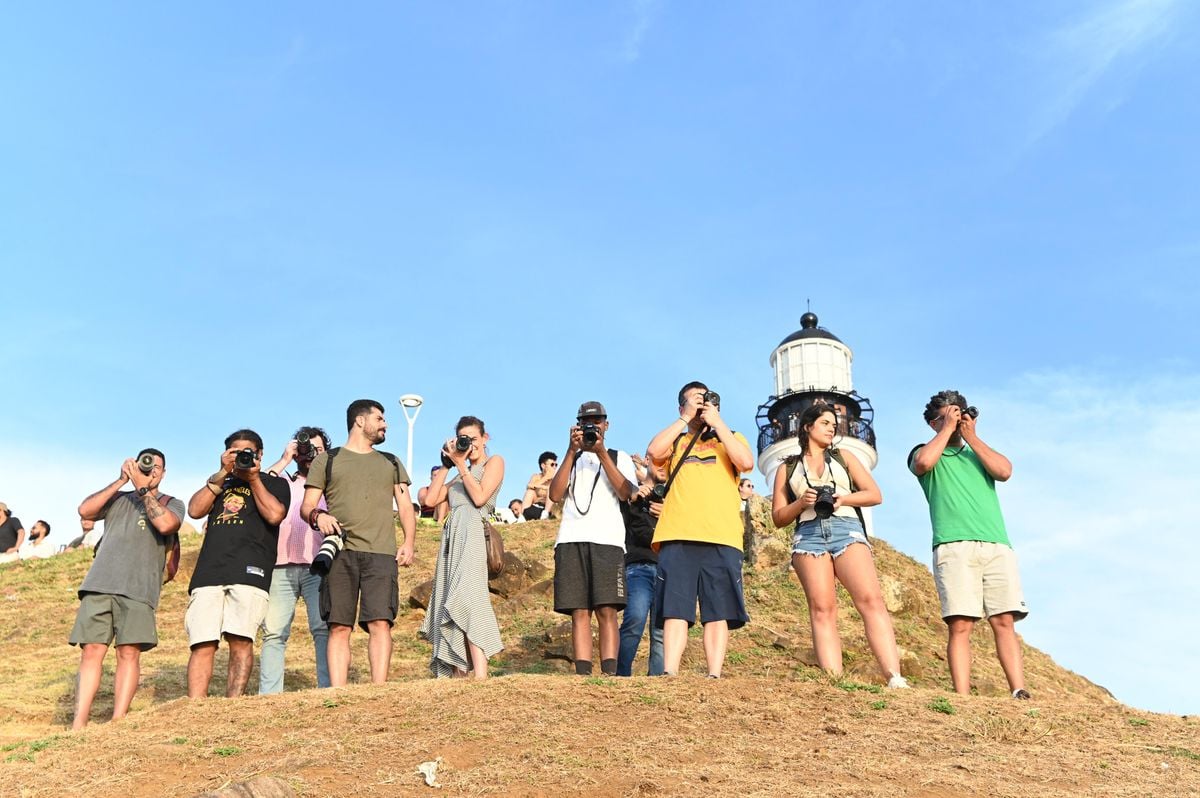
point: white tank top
(834, 475)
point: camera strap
(686, 452)
(833, 455)
(591, 496)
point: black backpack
(830, 454)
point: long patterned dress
(460, 607)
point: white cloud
(644, 14)
(1077, 56)
(1102, 510)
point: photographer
(366, 489)
(974, 566)
(119, 595)
(822, 489)
(460, 623)
(700, 532)
(589, 553)
(293, 578)
(641, 570)
(230, 584)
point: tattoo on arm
(154, 510)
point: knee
(823, 612)
(1002, 624)
(960, 627)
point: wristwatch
(142, 492)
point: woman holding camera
(460, 622)
(822, 492)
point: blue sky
(231, 216)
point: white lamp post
(413, 402)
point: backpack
(830, 454)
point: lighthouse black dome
(809, 329)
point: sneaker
(1022, 694)
(897, 682)
(713, 676)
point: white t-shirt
(601, 522)
(40, 550)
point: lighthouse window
(783, 373)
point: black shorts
(534, 512)
(364, 574)
(707, 572)
(588, 575)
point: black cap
(591, 409)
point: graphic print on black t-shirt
(239, 547)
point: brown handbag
(493, 544)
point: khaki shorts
(976, 579)
(103, 618)
(219, 610)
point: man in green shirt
(974, 566)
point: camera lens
(713, 398)
(823, 506)
(244, 460)
(462, 443)
(145, 463)
(304, 447)
(590, 434)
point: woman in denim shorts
(834, 546)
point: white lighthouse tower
(812, 365)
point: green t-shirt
(361, 496)
(962, 499)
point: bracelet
(314, 515)
(215, 488)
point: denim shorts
(831, 535)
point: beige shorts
(224, 609)
(976, 579)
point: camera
(331, 547)
(823, 506)
(591, 434)
(659, 492)
(462, 443)
(245, 460)
(971, 411)
(145, 463)
(304, 447)
(712, 398)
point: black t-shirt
(239, 547)
(639, 531)
(8, 533)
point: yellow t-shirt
(703, 505)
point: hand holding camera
(710, 408)
(242, 463)
(132, 472)
(592, 437)
(454, 452)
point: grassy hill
(775, 725)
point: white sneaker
(897, 682)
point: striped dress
(460, 607)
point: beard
(379, 437)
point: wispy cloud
(1102, 511)
(1077, 56)
(644, 14)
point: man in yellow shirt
(699, 536)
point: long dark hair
(807, 419)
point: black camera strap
(832, 455)
(686, 452)
(592, 495)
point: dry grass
(774, 726)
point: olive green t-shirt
(361, 496)
(962, 499)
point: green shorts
(103, 617)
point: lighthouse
(812, 365)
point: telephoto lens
(971, 411)
(712, 398)
(323, 561)
(145, 463)
(245, 460)
(304, 447)
(823, 506)
(462, 443)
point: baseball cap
(591, 409)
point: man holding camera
(230, 586)
(974, 566)
(366, 490)
(589, 553)
(293, 578)
(699, 535)
(119, 595)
